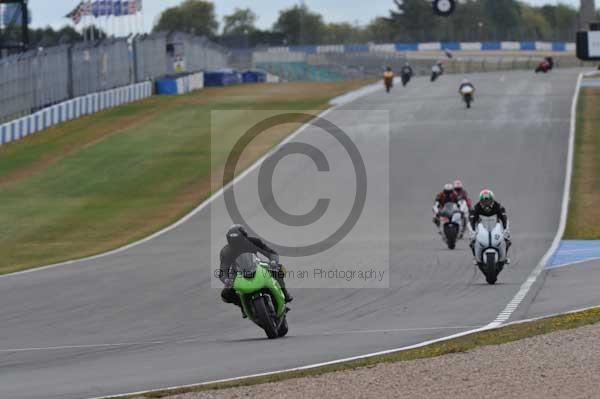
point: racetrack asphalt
(148, 318)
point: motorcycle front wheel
(265, 315)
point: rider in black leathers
(488, 206)
(238, 243)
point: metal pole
(25, 25)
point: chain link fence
(43, 77)
(99, 66)
(32, 80)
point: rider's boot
(508, 245)
(288, 297)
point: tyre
(451, 232)
(468, 100)
(283, 328)
(491, 273)
(265, 315)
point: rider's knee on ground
(228, 295)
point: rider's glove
(274, 265)
(472, 235)
(507, 235)
(228, 282)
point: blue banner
(96, 9)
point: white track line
(193, 339)
(335, 102)
(526, 286)
(187, 217)
(495, 324)
(312, 366)
(308, 367)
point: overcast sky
(51, 12)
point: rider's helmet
(236, 235)
(448, 190)
(388, 68)
(458, 186)
(465, 82)
(487, 199)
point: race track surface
(147, 317)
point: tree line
(407, 21)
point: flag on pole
(103, 8)
(139, 5)
(96, 9)
(76, 14)
(117, 7)
(132, 7)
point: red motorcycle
(545, 66)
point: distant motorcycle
(464, 209)
(543, 66)
(405, 78)
(261, 296)
(490, 248)
(451, 223)
(436, 72)
(389, 83)
(468, 93)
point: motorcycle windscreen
(467, 90)
(489, 222)
(449, 209)
(246, 264)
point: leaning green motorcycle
(261, 296)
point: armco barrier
(72, 109)
(254, 76)
(180, 84)
(223, 77)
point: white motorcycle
(451, 224)
(468, 93)
(490, 247)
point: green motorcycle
(260, 294)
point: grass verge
(497, 336)
(584, 214)
(105, 180)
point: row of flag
(104, 8)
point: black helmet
(236, 235)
